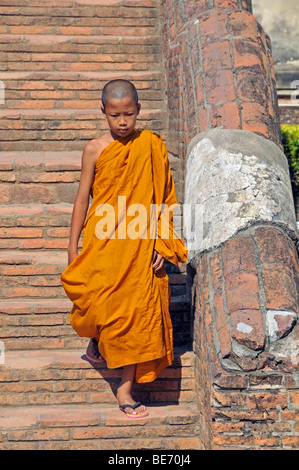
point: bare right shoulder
(94, 147)
(90, 155)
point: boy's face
(121, 115)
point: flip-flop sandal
(96, 361)
(101, 360)
(138, 403)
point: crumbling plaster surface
(234, 179)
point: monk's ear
(103, 110)
(138, 108)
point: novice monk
(118, 284)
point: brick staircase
(54, 399)
(56, 56)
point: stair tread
(73, 358)
(37, 208)
(81, 75)
(52, 397)
(66, 378)
(87, 427)
(13, 304)
(34, 257)
(146, 112)
(59, 415)
(40, 154)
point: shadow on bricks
(170, 388)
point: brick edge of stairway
(84, 418)
(52, 75)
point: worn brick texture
(249, 396)
(219, 70)
(57, 55)
(198, 64)
(54, 400)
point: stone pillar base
(245, 288)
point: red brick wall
(219, 70)
(55, 57)
(219, 73)
(256, 406)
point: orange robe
(117, 298)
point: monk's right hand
(72, 254)
(157, 260)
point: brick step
(41, 269)
(85, 110)
(34, 215)
(67, 97)
(67, 129)
(80, 43)
(37, 226)
(38, 161)
(43, 323)
(76, 18)
(42, 177)
(50, 179)
(68, 92)
(64, 16)
(61, 377)
(16, 285)
(93, 427)
(65, 80)
(35, 309)
(37, 42)
(56, 59)
(37, 323)
(79, 56)
(34, 262)
(23, 164)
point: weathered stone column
(225, 123)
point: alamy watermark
(139, 221)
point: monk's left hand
(158, 261)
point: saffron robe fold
(117, 298)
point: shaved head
(119, 89)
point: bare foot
(92, 352)
(124, 398)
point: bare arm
(81, 203)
